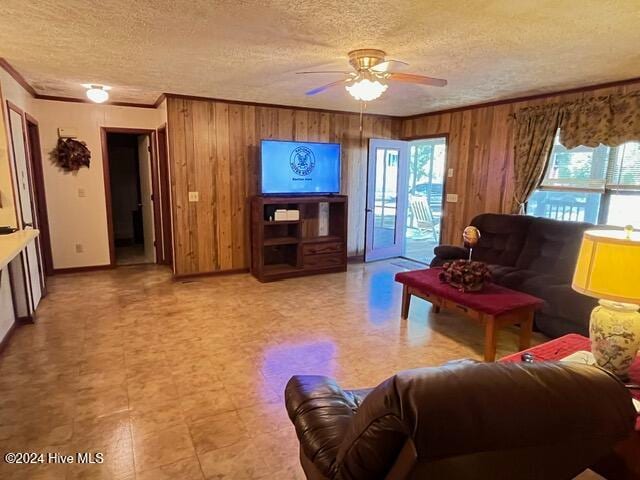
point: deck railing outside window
(597, 185)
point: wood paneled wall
(480, 150)
(214, 148)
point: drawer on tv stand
(321, 248)
(323, 260)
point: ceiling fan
(371, 75)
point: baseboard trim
(355, 259)
(90, 268)
(7, 336)
(216, 273)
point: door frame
(40, 192)
(443, 206)
(400, 145)
(151, 133)
(13, 166)
(13, 107)
(165, 194)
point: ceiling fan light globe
(366, 90)
(97, 94)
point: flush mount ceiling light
(97, 93)
(366, 88)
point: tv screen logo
(302, 161)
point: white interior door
(386, 199)
(27, 213)
(146, 190)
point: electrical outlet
(193, 196)
(450, 173)
(79, 248)
(82, 193)
(452, 197)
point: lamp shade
(608, 266)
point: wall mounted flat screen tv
(299, 168)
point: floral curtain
(534, 133)
(611, 120)
(608, 119)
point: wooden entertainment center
(316, 243)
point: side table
(624, 462)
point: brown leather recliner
(464, 420)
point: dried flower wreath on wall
(71, 155)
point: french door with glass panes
(386, 199)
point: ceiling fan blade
(321, 89)
(345, 72)
(384, 66)
(421, 79)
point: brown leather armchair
(464, 420)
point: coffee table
(493, 307)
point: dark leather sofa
(464, 420)
(535, 256)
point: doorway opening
(129, 180)
(405, 198)
(426, 175)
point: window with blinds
(623, 171)
(593, 169)
(597, 185)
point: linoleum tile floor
(184, 379)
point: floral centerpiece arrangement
(465, 275)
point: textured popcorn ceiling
(250, 50)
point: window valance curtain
(609, 119)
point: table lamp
(608, 269)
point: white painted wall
(74, 219)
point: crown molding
(17, 76)
(272, 105)
(161, 98)
(528, 98)
(54, 98)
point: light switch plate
(450, 173)
(193, 196)
(452, 197)
(82, 193)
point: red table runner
(492, 299)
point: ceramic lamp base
(615, 336)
